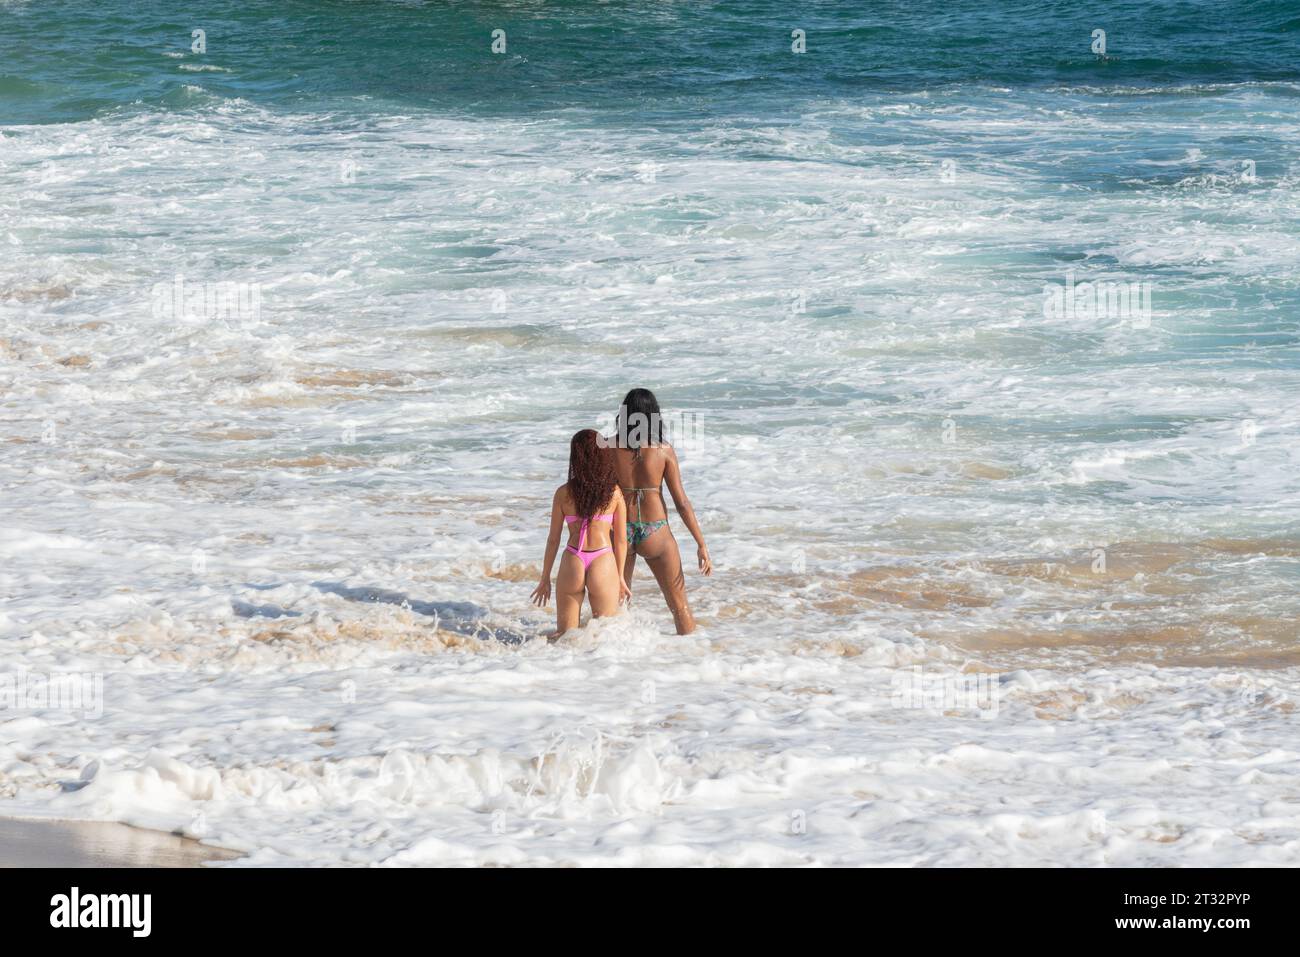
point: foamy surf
(809, 758)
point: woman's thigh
(569, 587)
(660, 553)
(602, 586)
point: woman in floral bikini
(643, 463)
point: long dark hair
(591, 473)
(639, 418)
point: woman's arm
(618, 538)
(542, 593)
(673, 476)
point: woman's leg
(660, 553)
(569, 587)
(629, 566)
(602, 586)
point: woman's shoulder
(664, 449)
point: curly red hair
(591, 473)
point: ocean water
(1006, 569)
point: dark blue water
(644, 62)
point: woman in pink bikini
(592, 507)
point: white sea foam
(298, 550)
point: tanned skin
(654, 467)
(601, 584)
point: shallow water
(297, 542)
(96, 844)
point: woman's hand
(624, 591)
(706, 566)
(542, 593)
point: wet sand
(98, 844)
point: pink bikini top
(582, 532)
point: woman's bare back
(641, 475)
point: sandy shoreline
(31, 843)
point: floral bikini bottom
(638, 532)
